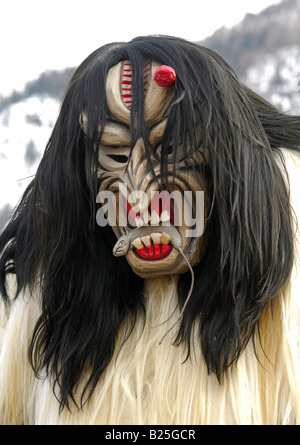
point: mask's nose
(139, 171)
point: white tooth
(146, 240)
(144, 207)
(165, 216)
(137, 243)
(138, 221)
(154, 218)
(146, 217)
(143, 204)
(165, 238)
(156, 237)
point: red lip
(154, 252)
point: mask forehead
(119, 93)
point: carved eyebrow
(115, 134)
(157, 131)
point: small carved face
(126, 171)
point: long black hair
(53, 241)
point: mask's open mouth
(154, 235)
(154, 248)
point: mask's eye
(173, 156)
(113, 158)
(158, 150)
(122, 159)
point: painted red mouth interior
(154, 252)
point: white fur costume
(148, 383)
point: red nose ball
(165, 76)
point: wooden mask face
(151, 224)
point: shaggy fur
(92, 326)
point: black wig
(53, 242)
